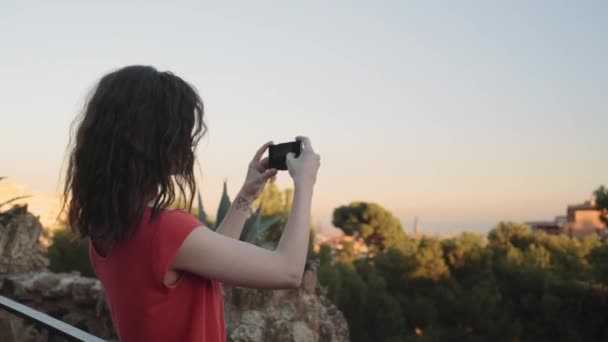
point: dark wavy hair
(135, 143)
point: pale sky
(463, 113)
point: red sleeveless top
(143, 308)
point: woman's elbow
(293, 280)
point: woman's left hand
(258, 174)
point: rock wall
(299, 315)
(69, 297)
(252, 315)
(20, 248)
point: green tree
(389, 323)
(325, 255)
(351, 298)
(67, 254)
(468, 259)
(537, 256)
(394, 266)
(599, 261)
(514, 286)
(347, 254)
(511, 233)
(371, 222)
(272, 200)
(459, 250)
(601, 201)
(430, 261)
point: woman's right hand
(304, 168)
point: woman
(133, 155)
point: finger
(268, 174)
(290, 156)
(273, 179)
(260, 166)
(264, 164)
(271, 172)
(306, 142)
(261, 150)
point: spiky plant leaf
(14, 199)
(223, 208)
(249, 225)
(262, 227)
(255, 228)
(202, 216)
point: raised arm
(231, 261)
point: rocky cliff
(300, 315)
(20, 248)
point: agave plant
(255, 227)
(222, 209)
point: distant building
(336, 243)
(549, 227)
(580, 220)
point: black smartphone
(277, 154)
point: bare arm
(235, 262)
(234, 221)
(293, 245)
(231, 261)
